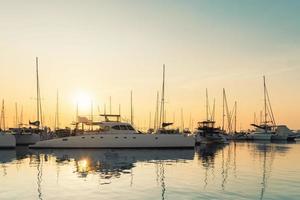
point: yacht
(7, 140)
(207, 133)
(262, 132)
(117, 134)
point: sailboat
(25, 135)
(6, 140)
(268, 130)
(207, 132)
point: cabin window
(93, 137)
(65, 139)
(101, 137)
(82, 137)
(134, 137)
(125, 137)
(156, 138)
(130, 128)
(123, 127)
(116, 137)
(116, 127)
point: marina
(146, 100)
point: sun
(83, 100)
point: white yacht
(261, 134)
(7, 140)
(117, 134)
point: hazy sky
(107, 48)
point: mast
(150, 120)
(37, 91)
(156, 112)
(213, 111)
(182, 120)
(57, 112)
(223, 116)
(265, 103)
(92, 115)
(110, 105)
(2, 122)
(235, 111)
(207, 105)
(162, 106)
(16, 107)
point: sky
(94, 50)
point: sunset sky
(91, 50)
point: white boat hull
(119, 141)
(27, 139)
(7, 141)
(261, 136)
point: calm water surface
(234, 171)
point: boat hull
(261, 136)
(27, 139)
(103, 141)
(7, 141)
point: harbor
(149, 99)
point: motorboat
(207, 133)
(117, 134)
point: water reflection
(217, 167)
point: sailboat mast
(16, 107)
(235, 111)
(57, 112)
(37, 91)
(265, 101)
(156, 111)
(223, 116)
(207, 105)
(162, 107)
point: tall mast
(265, 102)
(156, 111)
(223, 116)
(213, 111)
(92, 115)
(162, 106)
(207, 105)
(57, 112)
(37, 91)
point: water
(234, 171)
